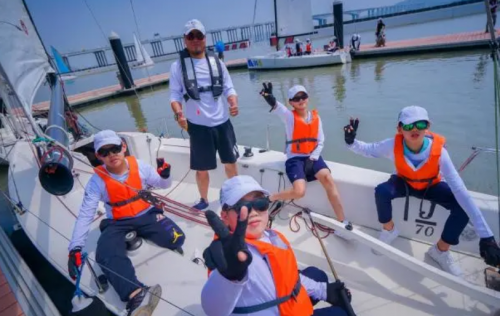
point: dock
(88, 97)
(433, 44)
(20, 292)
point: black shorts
(206, 141)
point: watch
(177, 115)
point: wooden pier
(450, 42)
(433, 44)
(8, 302)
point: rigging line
(91, 259)
(139, 35)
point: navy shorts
(295, 168)
(206, 141)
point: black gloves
(163, 168)
(350, 131)
(489, 250)
(222, 254)
(337, 294)
(74, 262)
(267, 93)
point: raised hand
(267, 93)
(229, 253)
(350, 131)
(163, 168)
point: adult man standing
(202, 81)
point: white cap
(106, 137)
(294, 90)
(234, 189)
(412, 114)
(194, 25)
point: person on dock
(421, 158)
(202, 81)
(333, 45)
(305, 140)
(219, 47)
(380, 33)
(253, 269)
(116, 183)
(355, 42)
(493, 10)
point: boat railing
(475, 152)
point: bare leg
(325, 178)
(389, 225)
(231, 170)
(202, 180)
(296, 192)
(442, 246)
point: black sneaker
(144, 302)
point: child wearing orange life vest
(253, 270)
(116, 183)
(305, 138)
(420, 159)
(308, 47)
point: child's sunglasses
(299, 98)
(104, 152)
(420, 125)
(258, 204)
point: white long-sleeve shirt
(220, 296)
(286, 116)
(207, 111)
(385, 149)
(95, 191)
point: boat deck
(9, 305)
(449, 42)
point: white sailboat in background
(293, 19)
(142, 57)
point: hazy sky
(69, 26)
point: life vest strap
(260, 307)
(301, 140)
(124, 202)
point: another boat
(293, 20)
(62, 68)
(142, 57)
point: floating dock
(20, 292)
(433, 44)
(441, 43)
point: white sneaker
(445, 260)
(387, 236)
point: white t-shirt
(207, 111)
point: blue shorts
(295, 168)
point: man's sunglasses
(420, 125)
(258, 204)
(198, 35)
(299, 98)
(104, 152)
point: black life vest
(189, 76)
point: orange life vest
(426, 175)
(308, 47)
(124, 201)
(285, 272)
(305, 135)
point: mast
(276, 25)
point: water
(456, 88)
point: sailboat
(47, 184)
(62, 68)
(292, 19)
(142, 57)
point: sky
(69, 26)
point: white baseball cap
(194, 25)
(234, 189)
(294, 90)
(412, 114)
(106, 137)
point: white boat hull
(380, 284)
(305, 61)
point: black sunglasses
(104, 152)
(299, 98)
(259, 204)
(198, 35)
